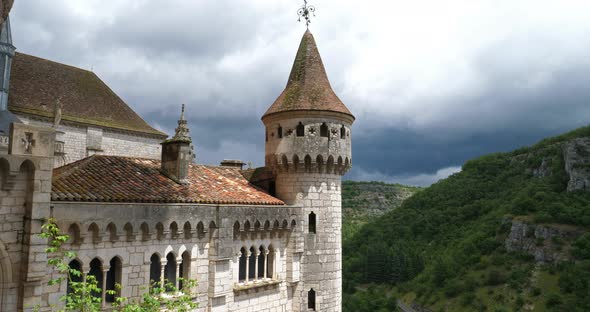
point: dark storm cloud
(462, 80)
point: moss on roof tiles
(308, 87)
(36, 84)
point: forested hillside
(510, 232)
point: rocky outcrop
(547, 243)
(576, 154)
(544, 169)
(372, 199)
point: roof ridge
(58, 63)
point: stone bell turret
(308, 147)
(177, 152)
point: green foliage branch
(83, 297)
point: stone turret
(308, 147)
(177, 153)
(6, 55)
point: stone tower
(308, 147)
(177, 153)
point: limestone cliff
(545, 242)
(576, 154)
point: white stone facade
(309, 151)
(81, 141)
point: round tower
(308, 147)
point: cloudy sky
(432, 83)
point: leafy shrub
(553, 300)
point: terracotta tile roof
(308, 87)
(122, 179)
(36, 84)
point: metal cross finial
(305, 12)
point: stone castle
(138, 209)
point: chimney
(233, 163)
(177, 153)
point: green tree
(81, 296)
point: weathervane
(305, 12)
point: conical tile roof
(308, 87)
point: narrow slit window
(311, 300)
(312, 226)
(342, 132)
(280, 132)
(300, 130)
(324, 130)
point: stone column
(265, 264)
(162, 273)
(104, 287)
(256, 265)
(247, 267)
(176, 282)
(237, 261)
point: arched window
(261, 261)
(173, 230)
(307, 163)
(280, 132)
(252, 264)
(170, 270)
(145, 231)
(270, 266)
(330, 164)
(112, 229)
(128, 228)
(113, 277)
(342, 132)
(242, 269)
(187, 230)
(185, 268)
(74, 233)
(257, 225)
(324, 130)
(201, 229)
(312, 228)
(300, 130)
(74, 265)
(155, 269)
(311, 300)
(319, 162)
(96, 271)
(159, 231)
(236, 229)
(94, 233)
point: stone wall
(321, 260)
(83, 141)
(25, 185)
(212, 236)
